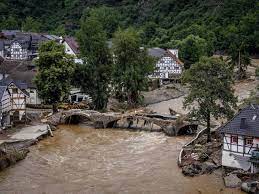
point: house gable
(241, 138)
(168, 65)
(18, 50)
(250, 125)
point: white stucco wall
(5, 102)
(68, 50)
(2, 53)
(34, 97)
(229, 160)
(236, 156)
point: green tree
(132, 65)
(149, 32)
(59, 31)
(210, 82)
(94, 76)
(55, 70)
(10, 23)
(31, 25)
(192, 48)
(237, 49)
(239, 57)
(107, 16)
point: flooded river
(83, 160)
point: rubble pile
(201, 157)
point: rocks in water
(209, 167)
(170, 131)
(232, 181)
(250, 187)
(192, 169)
(199, 168)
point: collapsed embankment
(15, 147)
(13, 151)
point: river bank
(15, 143)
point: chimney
(174, 52)
(243, 123)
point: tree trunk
(55, 108)
(208, 129)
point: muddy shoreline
(198, 157)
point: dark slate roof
(12, 66)
(23, 79)
(2, 90)
(10, 33)
(21, 85)
(156, 52)
(250, 126)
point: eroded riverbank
(83, 160)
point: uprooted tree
(210, 82)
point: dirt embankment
(13, 151)
(164, 93)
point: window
(248, 141)
(234, 139)
(15, 90)
(80, 99)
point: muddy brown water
(79, 159)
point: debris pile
(201, 157)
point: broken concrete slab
(32, 132)
(232, 181)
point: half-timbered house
(5, 106)
(168, 66)
(241, 140)
(13, 104)
(18, 103)
(16, 45)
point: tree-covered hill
(223, 24)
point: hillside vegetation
(223, 24)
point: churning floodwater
(79, 159)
